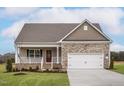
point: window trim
(34, 52)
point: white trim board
(85, 53)
(35, 42)
(22, 45)
(85, 42)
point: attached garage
(85, 61)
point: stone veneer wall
(84, 48)
(27, 66)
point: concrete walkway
(95, 77)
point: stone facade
(27, 66)
(85, 48)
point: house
(62, 45)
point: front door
(48, 55)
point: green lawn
(119, 68)
(32, 78)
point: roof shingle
(46, 32)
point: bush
(16, 69)
(30, 69)
(37, 68)
(9, 65)
(111, 62)
(13, 60)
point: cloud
(109, 19)
(13, 11)
(12, 31)
(117, 47)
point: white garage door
(82, 61)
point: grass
(32, 78)
(119, 67)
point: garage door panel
(85, 61)
(74, 63)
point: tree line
(117, 56)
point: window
(31, 53)
(37, 53)
(85, 27)
(34, 53)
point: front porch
(41, 58)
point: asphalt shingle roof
(46, 32)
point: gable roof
(47, 32)
(96, 27)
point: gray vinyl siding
(85, 35)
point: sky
(12, 20)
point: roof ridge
(51, 23)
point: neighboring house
(70, 45)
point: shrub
(16, 69)
(22, 69)
(37, 68)
(30, 69)
(9, 65)
(111, 62)
(12, 60)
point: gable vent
(85, 27)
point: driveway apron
(95, 77)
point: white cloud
(13, 30)
(109, 18)
(17, 12)
(117, 47)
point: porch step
(47, 66)
(57, 66)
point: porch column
(18, 53)
(57, 54)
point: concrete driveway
(95, 77)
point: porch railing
(38, 60)
(41, 60)
(55, 60)
(31, 59)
